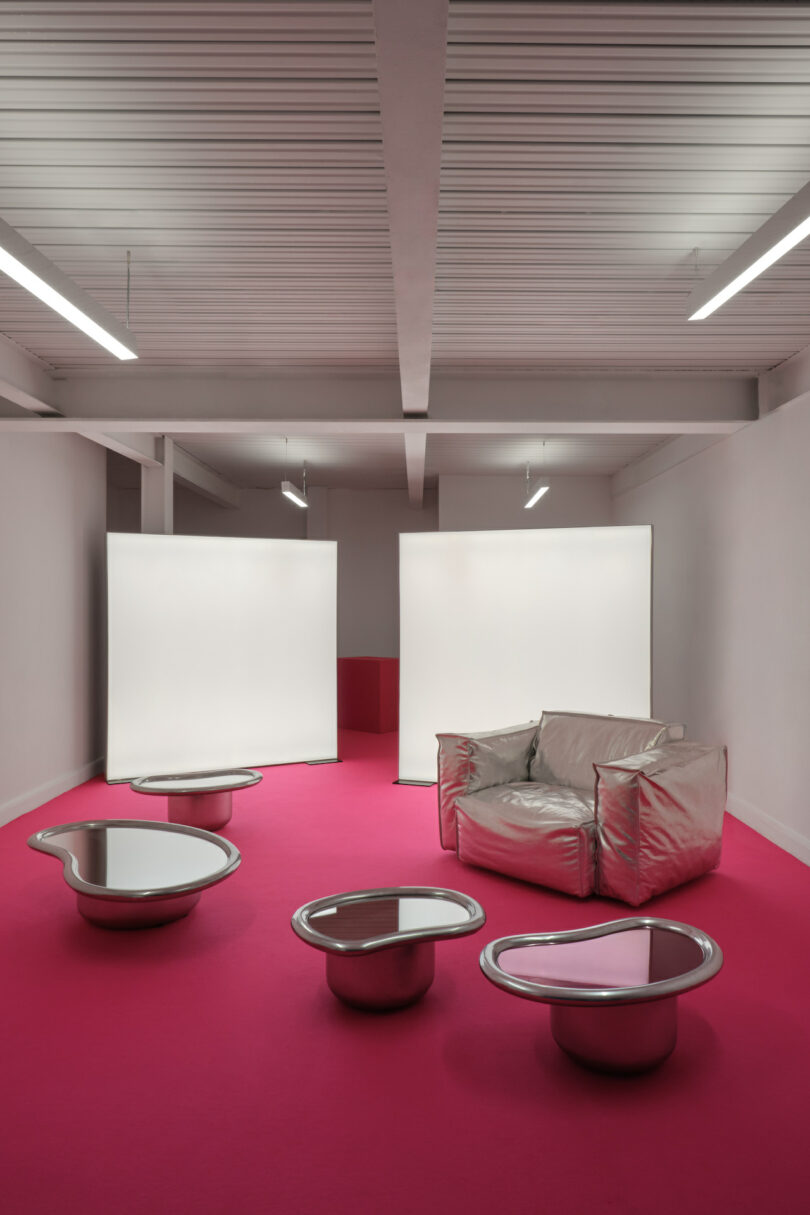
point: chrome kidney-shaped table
(128, 873)
(380, 944)
(198, 799)
(612, 988)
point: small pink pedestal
(368, 694)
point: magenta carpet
(205, 1067)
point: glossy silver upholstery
(659, 819)
(584, 803)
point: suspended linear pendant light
(290, 490)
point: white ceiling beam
(141, 448)
(669, 455)
(23, 381)
(572, 399)
(411, 41)
(195, 475)
(145, 449)
(785, 384)
(415, 449)
(375, 426)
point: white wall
(731, 612)
(52, 525)
(366, 525)
(262, 513)
(488, 503)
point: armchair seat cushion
(541, 833)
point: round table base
(210, 811)
(617, 1037)
(135, 913)
(385, 978)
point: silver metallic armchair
(621, 807)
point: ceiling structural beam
(785, 384)
(195, 475)
(24, 382)
(145, 449)
(777, 236)
(140, 448)
(318, 398)
(659, 461)
(415, 449)
(411, 42)
(379, 426)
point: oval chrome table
(199, 799)
(613, 988)
(380, 944)
(128, 873)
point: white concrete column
(157, 492)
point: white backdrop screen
(222, 653)
(495, 627)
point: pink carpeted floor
(205, 1067)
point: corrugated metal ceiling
(598, 159)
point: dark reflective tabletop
(381, 916)
(631, 958)
(121, 857)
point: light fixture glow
(32, 282)
(535, 496)
(756, 268)
(291, 491)
(534, 493)
(295, 495)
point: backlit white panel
(222, 653)
(495, 627)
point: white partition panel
(495, 627)
(222, 653)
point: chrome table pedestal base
(613, 988)
(131, 873)
(387, 978)
(619, 1037)
(208, 811)
(198, 799)
(143, 913)
(380, 944)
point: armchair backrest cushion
(471, 762)
(569, 744)
(499, 758)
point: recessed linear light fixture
(296, 495)
(533, 492)
(32, 270)
(777, 236)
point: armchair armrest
(469, 762)
(659, 819)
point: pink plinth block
(368, 694)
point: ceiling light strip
(777, 236)
(33, 271)
(294, 493)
